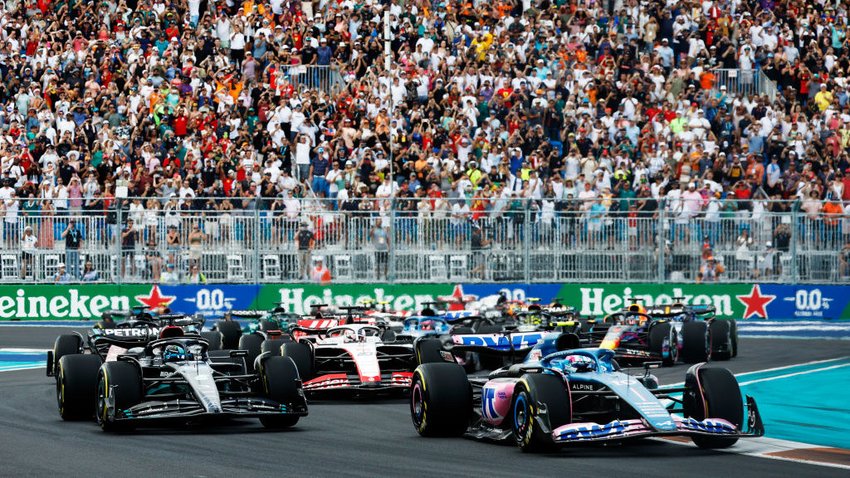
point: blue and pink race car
(562, 394)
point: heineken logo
(596, 302)
(296, 300)
(71, 305)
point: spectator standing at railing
(380, 239)
(10, 221)
(73, 243)
(305, 240)
(129, 237)
(28, 249)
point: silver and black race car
(175, 378)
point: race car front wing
(640, 428)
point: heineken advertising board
(739, 301)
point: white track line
(786, 367)
(773, 369)
(22, 350)
(804, 372)
(25, 367)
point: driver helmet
(175, 353)
(426, 325)
(637, 307)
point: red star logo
(155, 299)
(458, 300)
(756, 303)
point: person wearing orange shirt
(756, 169)
(320, 273)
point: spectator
(196, 244)
(61, 277)
(844, 260)
(306, 242)
(478, 243)
(90, 273)
(73, 243)
(195, 275)
(28, 246)
(381, 242)
(129, 237)
(154, 260)
(320, 274)
(170, 276)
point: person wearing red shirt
(181, 124)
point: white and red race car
(350, 357)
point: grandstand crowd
(611, 105)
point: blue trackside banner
(745, 301)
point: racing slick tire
(230, 333)
(266, 325)
(302, 357)
(76, 385)
(531, 390)
(715, 395)
(657, 334)
(733, 326)
(428, 351)
(272, 346)
(121, 382)
(280, 383)
(214, 338)
(721, 340)
(696, 342)
(66, 344)
(253, 344)
(440, 400)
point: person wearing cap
(823, 98)
(170, 276)
(319, 272)
(28, 243)
(306, 241)
(62, 276)
(73, 243)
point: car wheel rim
(674, 346)
(521, 416)
(60, 392)
(101, 402)
(417, 403)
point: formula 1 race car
(135, 328)
(669, 333)
(352, 357)
(575, 396)
(175, 378)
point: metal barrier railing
(748, 83)
(322, 77)
(524, 242)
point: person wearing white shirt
(386, 189)
(302, 157)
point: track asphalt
(350, 438)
